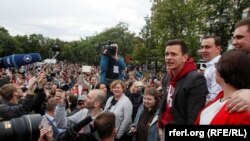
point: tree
(8, 45)
(140, 54)
(223, 14)
(173, 19)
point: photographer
(10, 104)
(111, 65)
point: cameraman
(111, 65)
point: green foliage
(7, 43)
(231, 10)
(170, 19)
(176, 19)
(139, 54)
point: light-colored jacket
(62, 120)
(152, 130)
(123, 114)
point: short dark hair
(184, 48)
(98, 85)
(217, 40)
(243, 22)
(105, 124)
(234, 68)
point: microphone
(72, 132)
(81, 124)
(17, 60)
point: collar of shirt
(213, 61)
(50, 117)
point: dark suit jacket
(188, 99)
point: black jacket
(188, 99)
(31, 102)
(9, 110)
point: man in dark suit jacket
(184, 89)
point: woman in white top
(232, 74)
(120, 105)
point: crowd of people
(126, 105)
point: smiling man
(92, 106)
(184, 89)
(241, 37)
(210, 51)
(241, 40)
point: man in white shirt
(210, 51)
(49, 118)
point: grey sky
(71, 19)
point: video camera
(111, 48)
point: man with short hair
(184, 89)
(105, 126)
(241, 37)
(92, 106)
(49, 117)
(210, 51)
(241, 40)
(10, 104)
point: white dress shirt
(213, 87)
(52, 119)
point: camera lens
(25, 128)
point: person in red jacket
(232, 74)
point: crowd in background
(142, 104)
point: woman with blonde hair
(120, 105)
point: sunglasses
(80, 103)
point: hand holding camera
(115, 46)
(111, 49)
(41, 79)
(32, 85)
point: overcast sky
(71, 19)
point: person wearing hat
(80, 104)
(80, 101)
